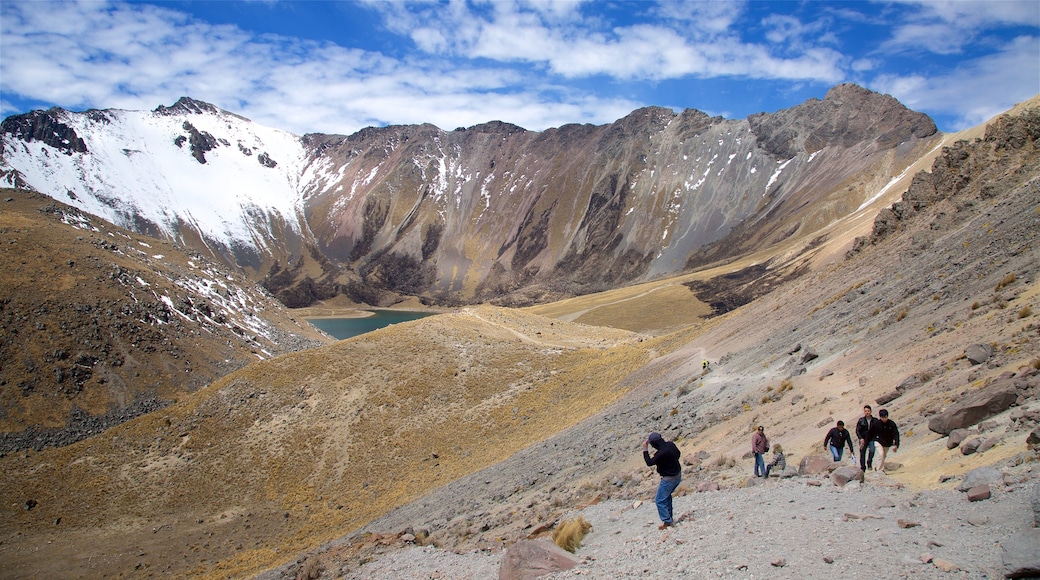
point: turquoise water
(341, 328)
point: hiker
(836, 439)
(666, 458)
(779, 460)
(759, 445)
(704, 365)
(866, 445)
(886, 434)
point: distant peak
(187, 105)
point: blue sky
(336, 67)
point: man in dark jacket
(866, 445)
(886, 434)
(666, 458)
(836, 440)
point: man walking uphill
(666, 458)
(866, 444)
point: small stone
(978, 520)
(978, 493)
(828, 560)
(906, 524)
(926, 558)
(944, 565)
(780, 563)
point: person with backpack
(886, 434)
(666, 458)
(836, 439)
(866, 444)
(759, 445)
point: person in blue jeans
(759, 445)
(836, 440)
(666, 459)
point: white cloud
(978, 90)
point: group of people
(871, 432)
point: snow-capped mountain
(482, 213)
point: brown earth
(478, 427)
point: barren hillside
(473, 429)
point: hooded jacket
(666, 457)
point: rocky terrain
(99, 325)
(458, 436)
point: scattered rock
(1033, 438)
(907, 524)
(956, 437)
(825, 373)
(994, 399)
(532, 558)
(1020, 554)
(971, 446)
(944, 565)
(779, 563)
(888, 397)
(926, 558)
(978, 353)
(828, 560)
(707, 486)
(843, 475)
(796, 398)
(825, 422)
(978, 493)
(978, 520)
(814, 464)
(988, 444)
(980, 476)
(809, 355)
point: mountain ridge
(490, 213)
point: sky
(337, 67)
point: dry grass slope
(303, 448)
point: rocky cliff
(491, 212)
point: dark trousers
(866, 456)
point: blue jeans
(760, 466)
(836, 452)
(663, 499)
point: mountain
(491, 213)
(474, 429)
(99, 325)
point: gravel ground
(783, 528)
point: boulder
(843, 475)
(814, 464)
(809, 354)
(971, 446)
(994, 399)
(956, 437)
(707, 486)
(529, 559)
(887, 397)
(988, 444)
(978, 353)
(1020, 554)
(979, 493)
(980, 476)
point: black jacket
(666, 458)
(885, 433)
(838, 438)
(863, 427)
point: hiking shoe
(664, 526)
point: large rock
(814, 464)
(980, 476)
(529, 559)
(957, 436)
(843, 475)
(978, 353)
(988, 402)
(1021, 554)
